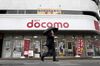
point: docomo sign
(37, 24)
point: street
(49, 63)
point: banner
(26, 47)
(70, 22)
(79, 46)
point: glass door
(17, 48)
(70, 48)
(43, 45)
(36, 45)
(7, 47)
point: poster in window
(26, 47)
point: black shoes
(55, 60)
(42, 58)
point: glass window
(11, 11)
(3, 11)
(21, 12)
(89, 47)
(17, 48)
(49, 12)
(71, 12)
(61, 48)
(36, 46)
(31, 11)
(7, 37)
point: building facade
(22, 23)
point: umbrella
(49, 29)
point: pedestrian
(50, 45)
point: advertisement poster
(79, 46)
(26, 47)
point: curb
(50, 58)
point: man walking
(50, 45)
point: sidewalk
(38, 62)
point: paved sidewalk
(50, 63)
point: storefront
(22, 36)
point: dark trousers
(51, 52)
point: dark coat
(50, 42)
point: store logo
(38, 24)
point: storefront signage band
(44, 23)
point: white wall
(82, 5)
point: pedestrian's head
(50, 33)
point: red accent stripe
(96, 24)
